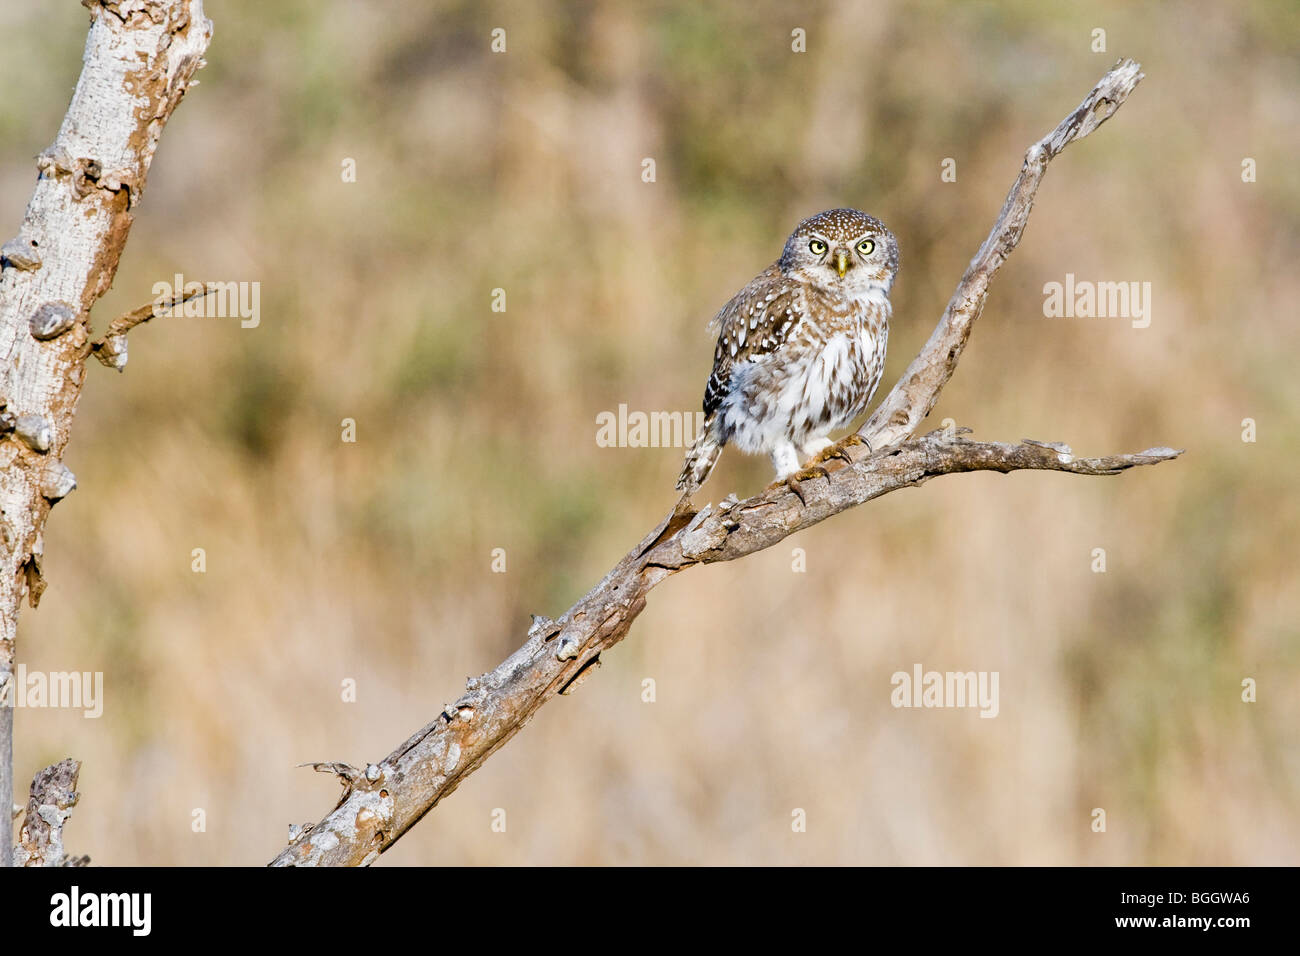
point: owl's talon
(834, 451)
(793, 484)
(838, 449)
(799, 477)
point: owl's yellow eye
(817, 247)
(865, 247)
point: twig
(110, 348)
(380, 805)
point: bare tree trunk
(139, 60)
(383, 801)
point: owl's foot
(839, 449)
(795, 481)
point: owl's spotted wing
(761, 319)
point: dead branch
(53, 795)
(385, 801)
(139, 60)
(910, 401)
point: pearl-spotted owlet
(801, 348)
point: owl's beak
(841, 261)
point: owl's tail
(701, 457)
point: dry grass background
(476, 431)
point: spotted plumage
(801, 348)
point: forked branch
(385, 800)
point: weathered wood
(53, 795)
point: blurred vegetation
(476, 430)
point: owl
(801, 348)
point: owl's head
(844, 251)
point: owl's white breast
(818, 383)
